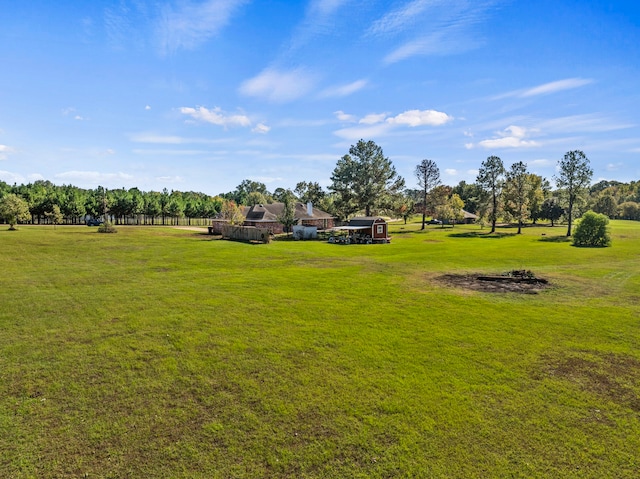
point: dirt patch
(613, 376)
(513, 282)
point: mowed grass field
(165, 353)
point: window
(380, 229)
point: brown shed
(367, 229)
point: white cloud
(215, 116)
(11, 178)
(342, 116)
(511, 137)
(261, 128)
(344, 90)
(373, 118)
(379, 124)
(147, 108)
(4, 152)
(451, 171)
(279, 86)
(415, 118)
(193, 23)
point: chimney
(309, 209)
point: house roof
(468, 215)
(271, 212)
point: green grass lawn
(164, 353)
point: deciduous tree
(516, 192)
(428, 175)
(365, 179)
(574, 176)
(288, 216)
(490, 179)
(14, 209)
(310, 192)
(551, 210)
(232, 213)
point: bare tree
(428, 175)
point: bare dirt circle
(508, 283)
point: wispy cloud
(154, 138)
(167, 152)
(546, 88)
(511, 137)
(540, 163)
(431, 27)
(344, 90)
(72, 113)
(588, 123)
(193, 23)
(92, 176)
(279, 86)
(320, 19)
(401, 18)
(215, 116)
(369, 131)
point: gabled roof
(271, 212)
(365, 220)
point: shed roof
(365, 220)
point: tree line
(364, 181)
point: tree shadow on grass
(555, 239)
(476, 234)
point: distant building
(266, 216)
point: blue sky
(200, 95)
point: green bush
(592, 230)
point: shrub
(107, 227)
(592, 230)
